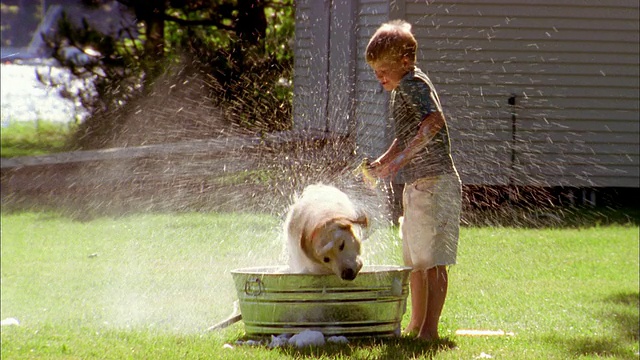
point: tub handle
(253, 287)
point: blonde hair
(392, 41)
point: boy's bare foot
(409, 333)
(411, 330)
(429, 336)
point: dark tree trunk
(154, 46)
(151, 13)
(251, 26)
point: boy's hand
(382, 167)
(383, 170)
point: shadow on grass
(622, 314)
(552, 217)
(600, 347)
(375, 348)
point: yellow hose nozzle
(363, 169)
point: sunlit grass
(27, 138)
(148, 286)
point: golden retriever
(323, 233)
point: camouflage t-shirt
(413, 99)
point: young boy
(420, 157)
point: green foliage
(254, 77)
(9, 9)
(108, 69)
(244, 45)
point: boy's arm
(388, 155)
(390, 162)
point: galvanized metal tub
(274, 302)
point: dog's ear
(362, 220)
(342, 223)
(306, 246)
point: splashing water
(230, 170)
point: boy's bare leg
(418, 285)
(437, 284)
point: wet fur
(323, 233)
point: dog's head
(336, 246)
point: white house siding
(324, 70)
(371, 100)
(311, 65)
(572, 65)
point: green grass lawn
(148, 286)
(27, 138)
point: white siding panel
(324, 69)
(311, 65)
(342, 67)
(560, 10)
(573, 66)
(372, 134)
(370, 9)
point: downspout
(326, 72)
(512, 102)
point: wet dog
(323, 233)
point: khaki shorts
(431, 221)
